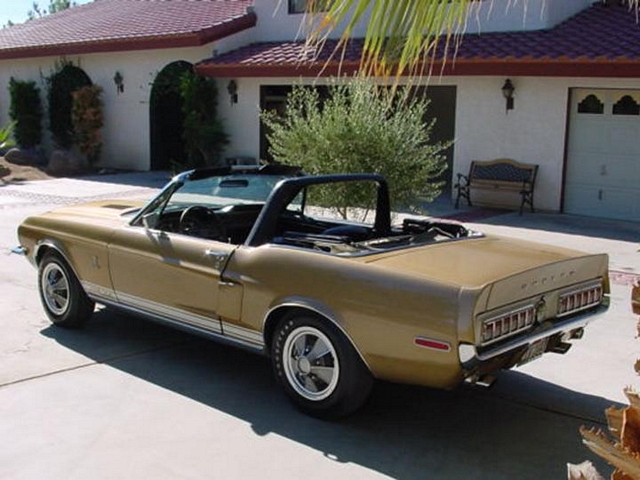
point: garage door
(603, 157)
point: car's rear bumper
(479, 362)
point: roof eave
(193, 39)
(545, 67)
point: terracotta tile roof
(599, 41)
(115, 25)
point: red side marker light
(432, 344)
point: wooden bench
(496, 175)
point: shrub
(87, 120)
(203, 132)
(360, 127)
(26, 112)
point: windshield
(219, 192)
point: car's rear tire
(318, 367)
(63, 298)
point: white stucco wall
(276, 24)
(534, 131)
(126, 132)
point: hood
(119, 211)
(477, 262)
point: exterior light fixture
(507, 92)
(232, 89)
(119, 81)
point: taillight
(580, 299)
(508, 324)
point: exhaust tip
(561, 348)
(484, 381)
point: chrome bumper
(19, 250)
(470, 357)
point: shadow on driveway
(403, 432)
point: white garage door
(603, 157)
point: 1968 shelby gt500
(249, 257)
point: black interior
(233, 224)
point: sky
(16, 10)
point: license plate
(535, 350)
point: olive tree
(360, 127)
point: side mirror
(150, 220)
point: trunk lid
(515, 269)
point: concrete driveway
(126, 398)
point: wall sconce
(232, 88)
(507, 92)
(119, 81)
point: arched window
(626, 106)
(591, 104)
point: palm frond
(6, 135)
(403, 37)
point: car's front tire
(318, 368)
(63, 298)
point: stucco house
(137, 40)
(575, 66)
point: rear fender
(304, 304)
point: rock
(64, 162)
(19, 156)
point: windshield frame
(159, 202)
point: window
(626, 106)
(591, 104)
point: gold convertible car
(256, 257)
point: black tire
(327, 385)
(63, 298)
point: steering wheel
(199, 221)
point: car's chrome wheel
(317, 366)
(311, 363)
(55, 289)
(63, 298)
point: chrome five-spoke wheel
(310, 363)
(63, 298)
(317, 365)
(55, 289)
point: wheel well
(273, 319)
(42, 251)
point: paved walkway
(63, 191)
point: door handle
(159, 234)
(219, 258)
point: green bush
(87, 118)
(26, 112)
(204, 135)
(66, 79)
(360, 127)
